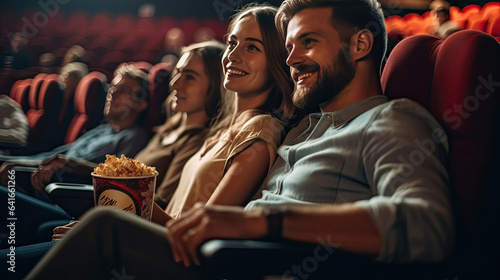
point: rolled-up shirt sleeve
(406, 171)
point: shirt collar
(346, 114)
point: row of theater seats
(102, 24)
(486, 19)
(41, 99)
(103, 30)
(108, 40)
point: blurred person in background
(173, 42)
(123, 133)
(47, 61)
(17, 56)
(444, 26)
(75, 53)
(13, 122)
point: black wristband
(274, 219)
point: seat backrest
(36, 84)
(45, 118)
(458, 81)
(13, 89)
(159, 78)
(22, 94)
(90, 97)
(494, 28)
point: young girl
(228, 169)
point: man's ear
(143, 105)
(362, 44)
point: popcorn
(123, 167)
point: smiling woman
(245, 62)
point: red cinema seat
(101, 24)
(36, 83)
(145, 23)
(494, 29)
(90, 97)
(43, 121)
(476, 22)
(111, 60)
(54, 26)
(145, 56)
(21, 93)
(101, 45)
(13, 89)
(154, 44)
(128, 45)
(122, 26)
(189, 26)
(159, 78)
(471, 9)
(77, 24)
(74, 40)
(459, 86)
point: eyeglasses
(136, 93)
(120, 89)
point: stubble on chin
(307, 98)
(299, 97)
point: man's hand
(4, 172)
(60, 231)
(41, 177)
(202, 223)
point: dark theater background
(138, 28)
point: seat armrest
(23, 178)
(247, 259)
(68, 177)
(24, 149)
(6, 145)
(75, 199)
(24, 169)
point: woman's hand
(202, 223)
(41, 177)
(60, 231)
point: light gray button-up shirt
(387, 157)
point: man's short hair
(440, 6)
(143, 92)
(348, 17)
(129, 70)
(77, 69)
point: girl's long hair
(279, 103)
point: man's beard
(329, 83)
